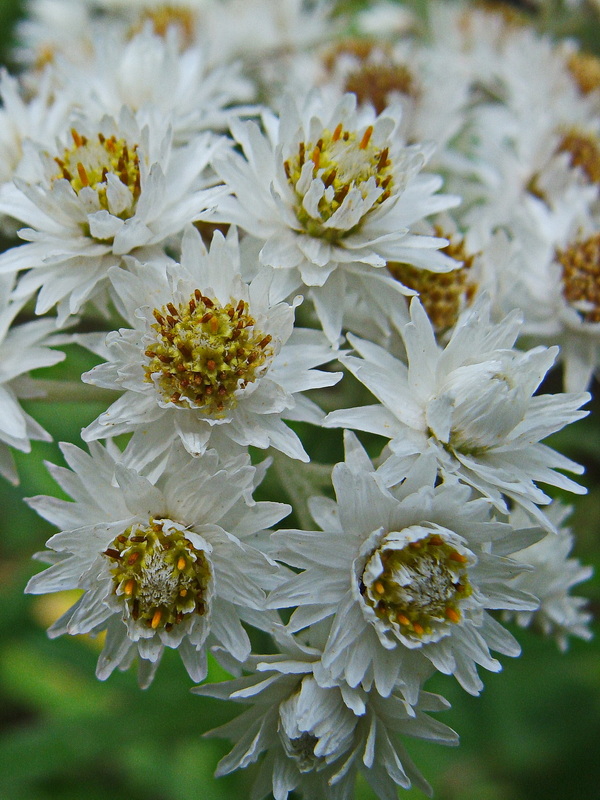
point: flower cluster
(237, 218)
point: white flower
(471, 403)
(209, 356)
(316, 739)
(116, 188)
(328, 187)
(405, 575)
(161, 562)
(22, 348)
(553, 576)
(147, 71)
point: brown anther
(403, 619)
(175, 397)
(211, 365)
(129, 587)
(122, 538)
(383, 159)
(452, 614)
(76, 138)
(436, 540)
(340, 195)
(82, 174)
(366, 138)
(156, 619)
(172, 309)
(315, 158)
(330, 178)
(301, 153)
(133, 558)
(171, 320)
(418, 629)
(208, 302)
(207, 316)
(163, 358)
(101, 138)
(264, 342)
(286, 169)
(111, 553)
(136, 539)
(337, 132)
(222, 391)
(458, 557)
(379, 587)
(181, 562)
(198, 295)
(213, 324)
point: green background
(532, 734)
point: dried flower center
(205, 352)
(342, 161)
(373, 83)
(581, 277)
(170, 16)
(443, 294)
(159, 574)
(419, 586)
(89, 162)
(584, 152)
(585, 71)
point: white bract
(471, 403)
(209, 356)
(162, 562)
(22, 348)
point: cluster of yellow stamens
(443, 294)
(342, 160)
(204, 352)
(159, 574)
(584, 152)
(581, 276)
(420, 586)
(89, 161)
(163, 17)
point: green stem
(72, 392)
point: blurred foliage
(66, 736)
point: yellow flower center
(419, 586)
(89, 161)
(585, 71)
(168, 16)
(205, 352)
(159, 574)
(581, 277)
(373, 83)
(342, 160)
(443, 294)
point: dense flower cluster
(237, 205)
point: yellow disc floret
(581, 276)
(443, 294)
(342, 160)
(419, 586)
(584, 152)
(205, 352)
(89, 161)
(159, 574)
(166, 16)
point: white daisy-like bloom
(314, 739)
(471, 404)
(22, 348)
(405, 574)
(332, 192)
(150, 71)
(554, 574)
(208, 356)
(161, 562)
(115, 188)
(552, 275)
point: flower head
(209, 355)
(471, 403)
(161, 562)
(404, 574)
